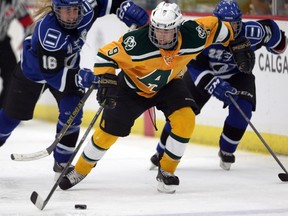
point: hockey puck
(80, 206)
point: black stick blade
(37, 200)
(283, 176)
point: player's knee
(246, 107)
(67, 108)
(183, 122)
(235, 118)
(103, 139)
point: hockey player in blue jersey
(50, 60)
(214, 72)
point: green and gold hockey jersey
(147, 68)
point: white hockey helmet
(164, 25)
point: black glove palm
(107, 90)
(243, 54)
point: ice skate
(167, 182)
(226, 159)
(58, 168)
(154, 161)
(71, 178)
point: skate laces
(226, 153)
(75, 177)
(166, 174)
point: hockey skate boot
(58, 168)
(167, 182)
(226, 159)
(70, 179)
(154, 161)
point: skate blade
(153, 166)
(225, 165)
(162, 188)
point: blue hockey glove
(85, 78)
(131, 14)
(220, 89)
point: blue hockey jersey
(218, 60)
(52, 53)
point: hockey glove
(107, 90)
(220, 89)
(131, 14)
(243, 54)
(282, 45)
(85, 78)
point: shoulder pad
(193, 34)
(92, 3)
(253, 31)
(50, 34)
(137, 42)
(250, 27)
(88, 18)
(88, 6)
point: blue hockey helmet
(73, 7)
(229, 11)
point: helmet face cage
(68, 5)
(164, 25)
(237, 26)
(229, 11)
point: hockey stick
(282, 176)
(46, 152)
(35, 198)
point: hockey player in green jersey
(153, 60)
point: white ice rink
(121, 184)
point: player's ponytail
(43, 8)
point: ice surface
(121, 183)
